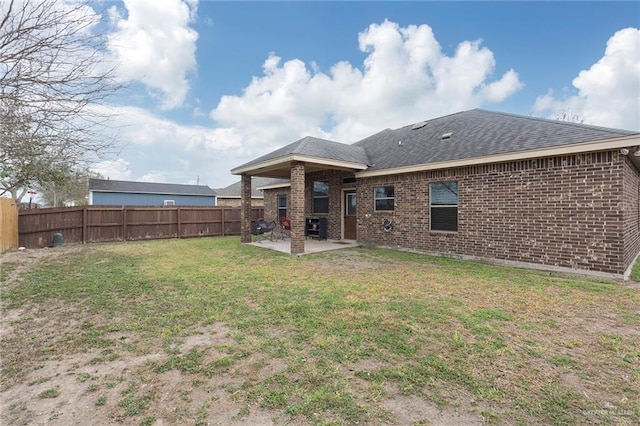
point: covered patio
(294, 162)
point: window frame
(169, 203)
(376, 199)
(279, 207)
(448, 206)
(315, 197)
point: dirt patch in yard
(50, 383)
(413, 410)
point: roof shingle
(107, 185)
(318, 148)
(475, 133)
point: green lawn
(174, 330)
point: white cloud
(155, 45)
(405, 77)
(155, 149)
(113, 169)
(608, 93)
(154, 176)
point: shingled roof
(106, 185)
(475, 133)
(235, 190)
(315, 148)
(473, 136)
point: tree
(73, 190)
(53, 87)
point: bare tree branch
(54, 85)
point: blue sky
(214, 84)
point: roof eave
(275, 186)
(152, 193)
(283, 161)
(601, 145)
(238, 197)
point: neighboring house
(103, 192)
(477, 184)
(231, 195)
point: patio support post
(297, 207)
(245, 209)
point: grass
(352, 331)
(635, 272)
(49, 393)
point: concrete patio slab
(310, 245)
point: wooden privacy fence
(89, 224)
(8, 224)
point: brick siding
(563, 211)
(271, 202)
(334, 217)
(237, 202)
(577, 211)
(631, 202)
(296, 206)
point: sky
(212, 85)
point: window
(169, 202)
(384, 198)
(282, 205)
(321, 197)
(444, 206)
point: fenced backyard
(227, 333)
(89, 224)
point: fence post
(8, 224)
(222, 212)
(85, 216)
(179, 219)
(124, 224)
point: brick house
(481, 185)
(230, 196)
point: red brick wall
(271, 202)
(631, 202)
(296, 207)
(237, 202)
(562, 211)
(334, 217)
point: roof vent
(418, 125)
(447, 135)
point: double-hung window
(443, 203)
(320, 196)
(282, 205)
(384, 198)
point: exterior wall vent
(446, 136)
(418, 125)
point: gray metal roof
(235, 190)
(106, 185)
(319, 148)
(475, 133)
